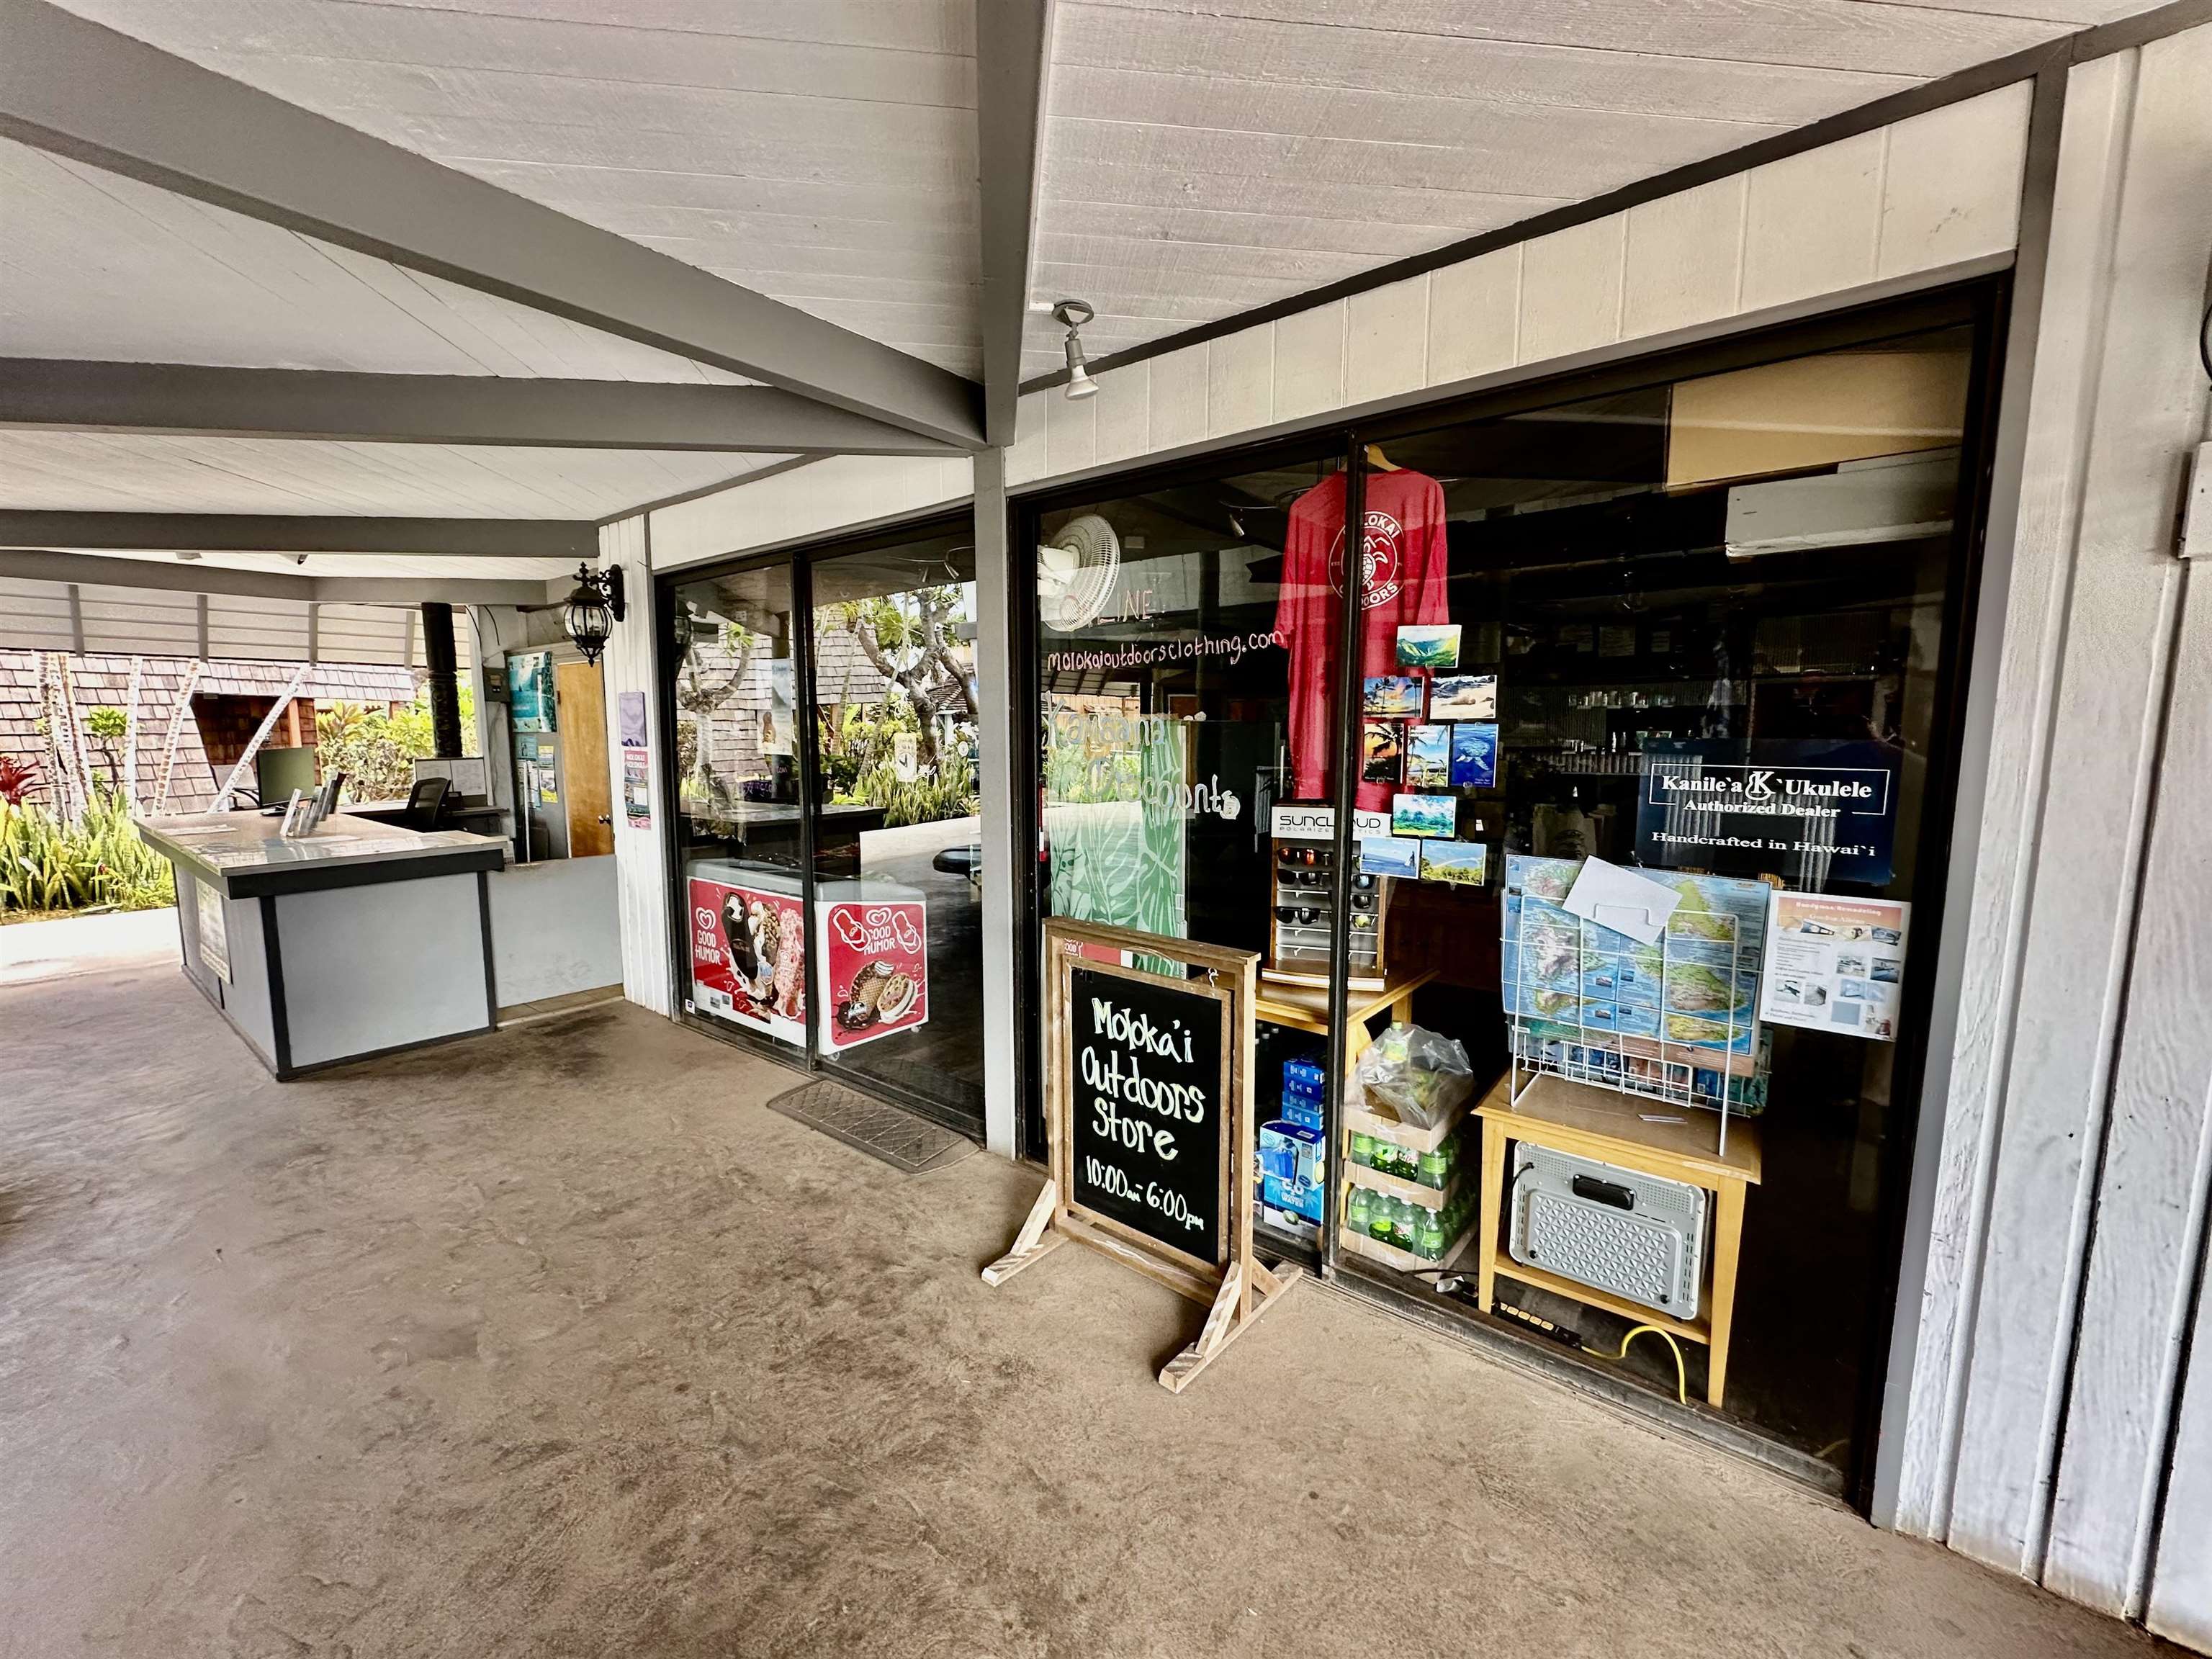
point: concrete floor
(553, 1342)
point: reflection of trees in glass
(904, 637)
(1113, 821)
(928, 694)
(700, 692)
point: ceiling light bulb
(1073, 314)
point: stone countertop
(244, 852)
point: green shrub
(376, 749)
(99, 864)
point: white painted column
(641, 867)
(996, 732)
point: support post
(444, 689)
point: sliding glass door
(736, 824)
(825, 841)
(897, 839)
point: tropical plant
(98, 864)
(376, 749)
(19, 781)
(904, 637)
(107, 725)
(949, 793)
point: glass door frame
(1982, 304)
(799, 560)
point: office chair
(426, 803)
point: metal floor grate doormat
(899, 1138)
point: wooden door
(581, 695)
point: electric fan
(1076, 571)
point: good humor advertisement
(1835, 964)
(876, 954)
(749, 958)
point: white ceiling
(94, 264)
(128, 473)
(1204, 157)
(1198, 158)
(437, 566)
(821, 152)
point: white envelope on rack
(1620, 899)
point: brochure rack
(1580, 1037)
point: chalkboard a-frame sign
(1148, 1113)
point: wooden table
(1586, 1121)
(1305, 1008)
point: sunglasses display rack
(1302, 929)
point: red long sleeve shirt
(1406, 563)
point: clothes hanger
(1381, 462)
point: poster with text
(875, 954)
(1812, 812)
(215, 935)
(529, 690)
(637, 788)
(749, 958)
(1835, 964)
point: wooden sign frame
(1235, 1287)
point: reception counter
(359, 940)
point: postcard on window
(1428, 645)
(1463, 697)
(1383, 754)
(1428, 757)
(1473, 755)
(1390, 855)
(1457, 863)
(1394, 697)
(1424, 815)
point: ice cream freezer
(870, 939)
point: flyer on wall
(1835, 964)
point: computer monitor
(280, 771)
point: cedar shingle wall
(104, 680)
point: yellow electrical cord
(1681, 1374)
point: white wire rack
(1570, 963)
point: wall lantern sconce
(1071, 314)
(594, 608)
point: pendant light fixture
(593, 609)
(1071, 314)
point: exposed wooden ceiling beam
(1012, 43)
(283, 533)
(91, 570)
(75, 89)
(66, 394)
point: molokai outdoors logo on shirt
(1381, 572)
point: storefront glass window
(1646, 660)
(1181, 642)
(897, 838)
(1652, 746)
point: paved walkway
(553, 1342)
(68, 945)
